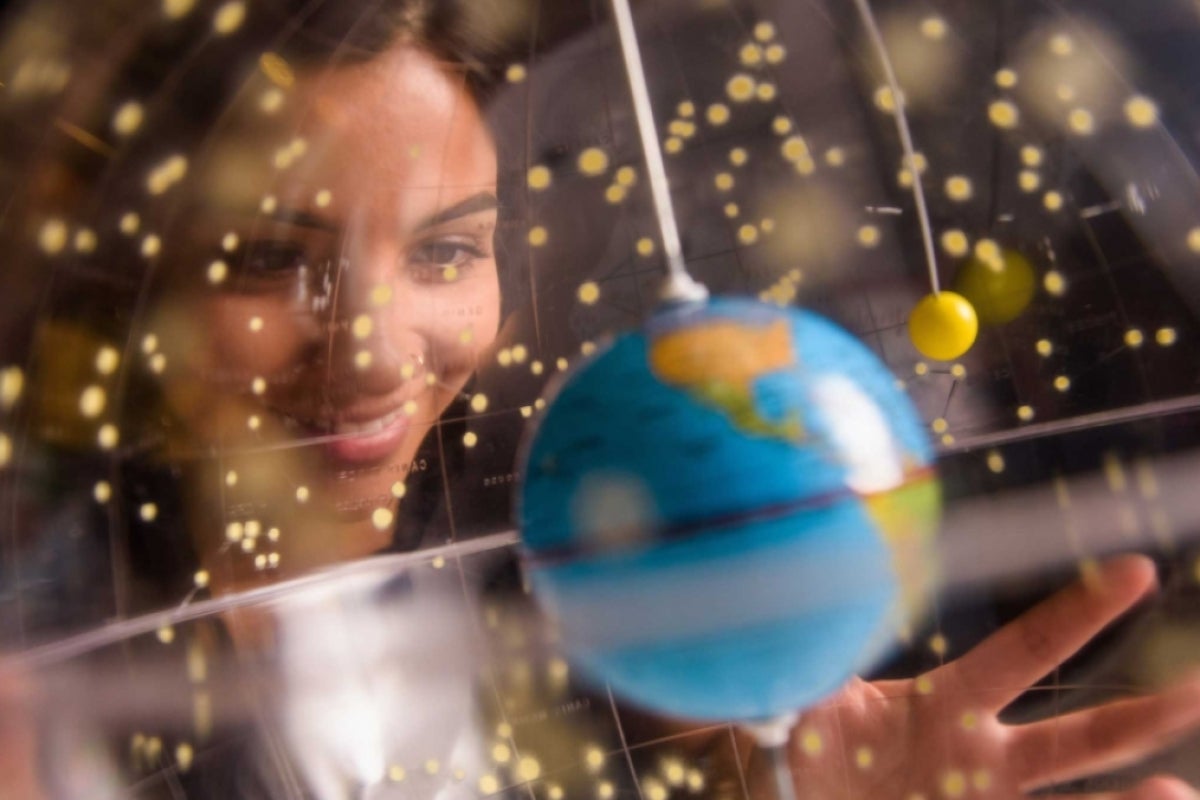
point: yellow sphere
(999, 288)
(943, 326)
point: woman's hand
(939, 735)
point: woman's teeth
(346, 428)
(371, 426)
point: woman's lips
(363, 440)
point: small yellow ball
(943, 326)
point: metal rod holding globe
(729, 510)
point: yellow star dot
(92, 401)
(1141, 111)
(1055, 283)
(108, 436)
(1193, 240)
(955, 243)
(538, 177)
(1061, 44)
(933, 28)
(128, 118)
(885, 100)
(959, 188)
(740, 88)
(1003, 114)
(954, 784)
(593, 161)
(528, 768)
(217, 271)
(1081, 122)
(381, 518)
(229, 17)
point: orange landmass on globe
(718, 363)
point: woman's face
(355, 302)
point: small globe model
(729, 511)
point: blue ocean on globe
(724, 510)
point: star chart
(290, 286)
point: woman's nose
(375, 343)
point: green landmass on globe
(719, 363)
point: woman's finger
(1022, 652)
(1103, 738)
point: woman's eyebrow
(302, 219)
(484, 201)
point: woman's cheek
(252, 336)
(464, 324)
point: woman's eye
(272, 259)
(437, 255)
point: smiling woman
(336, 335)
